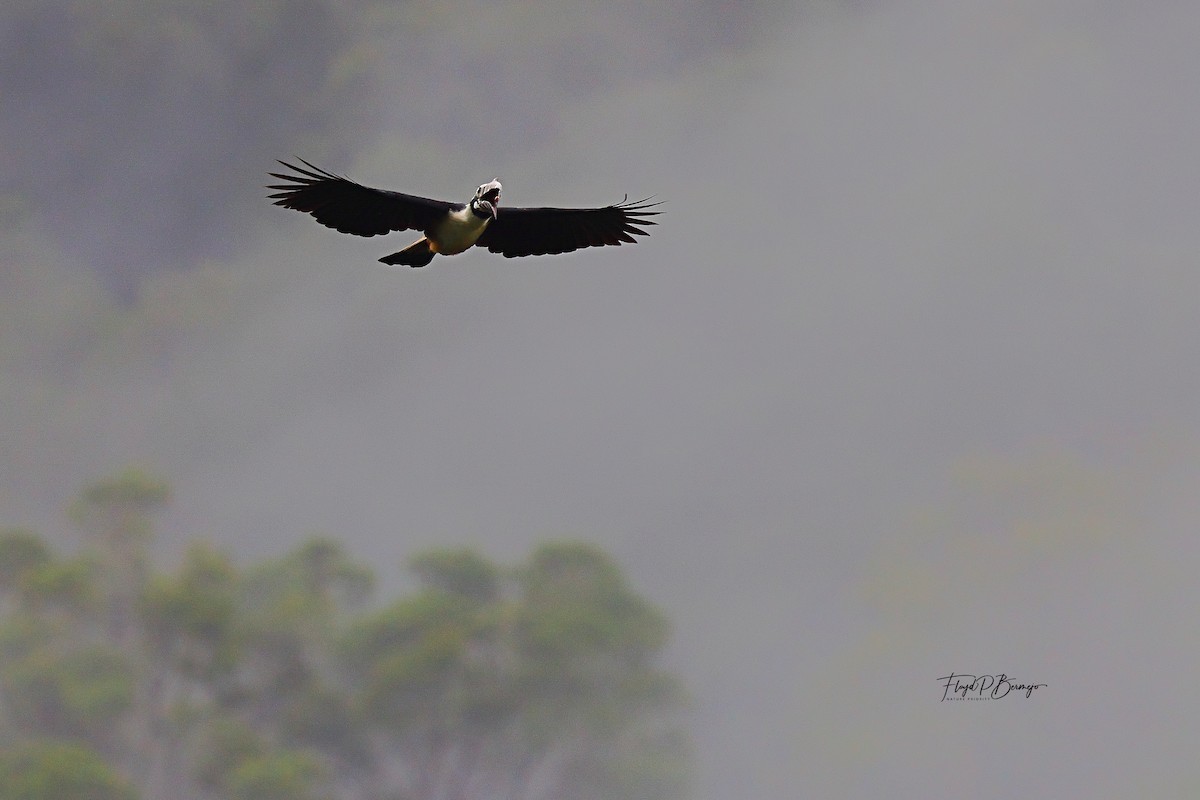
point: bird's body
(452, 228)
(458, 232)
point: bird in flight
(450, 228)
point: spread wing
(543, 231)
(349, 207)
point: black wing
(543, 231)
(350, 207)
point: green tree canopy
(289, 678)
(50, 770)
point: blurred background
(903, 384)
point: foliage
(50, 770)
(284, 776)
(289, 679)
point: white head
(487, 199)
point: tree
(284, 776)
(514, 683)
(71, 692)
(116, 517)
(187, 619)
(21, 552)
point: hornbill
(449, 228)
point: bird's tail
(416, 254)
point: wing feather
(545, 231)
(339, 203)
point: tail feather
(416, 254)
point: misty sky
(904, 383)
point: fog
(902, 385)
